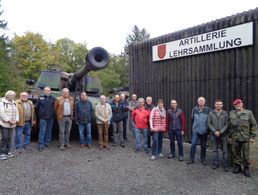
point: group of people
(238, 127)
(147, 121)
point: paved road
(117, 171)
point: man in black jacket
(117, 121)
(125, 114)
(46, 113)
(83, 114)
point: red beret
(237, 101)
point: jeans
(176, 134)
(223, 141)
(149, 134)
(26, 130)
(157, 142)
(138, 133)
(6, 141)
(82, 128)
(65, 125)
(125, 128)
(132, 127)
(45, 132)
(203, 139)
(118, 131)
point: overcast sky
(107, 23)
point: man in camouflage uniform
(243, 130)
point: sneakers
(214, 166)
(122, 145)
(171, 156)
(3, 157)
(137, 150)
(61, 147)
(204, 162)
(161, 155)
(153, 157)
(181, 158)
(68, 145)
(82, 146)
(10, 155)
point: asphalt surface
(115, 171)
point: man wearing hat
(243, 131)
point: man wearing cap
(243, 129)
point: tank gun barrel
(96, 59)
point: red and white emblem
(162, 51)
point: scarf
(162, 112)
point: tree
(70, 55)
(137, 35)
(4, 59)
(114, 75)
(29, 54)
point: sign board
(227, 38)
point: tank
(96, 59)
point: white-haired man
(103, 113)
(199, 118)
(64, 113)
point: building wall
(226, 74)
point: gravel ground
(115, 171)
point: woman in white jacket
(8, 118)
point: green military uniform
(243, 127)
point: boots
(237, 169)
(246, 171)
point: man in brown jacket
(26, 120)
(64, 112)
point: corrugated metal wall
(224, 74)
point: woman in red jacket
(140, 117)
(158, 125)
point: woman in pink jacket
(158, 125)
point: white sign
(227, 38)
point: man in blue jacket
(46, 113)
(199, 118)
(83, 114)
